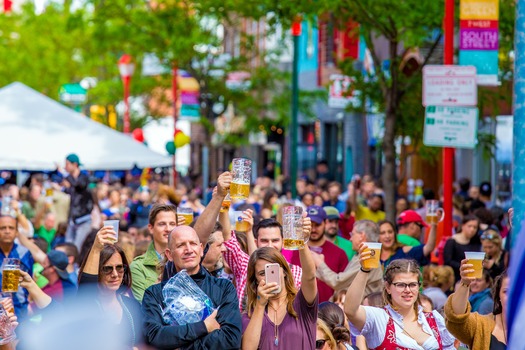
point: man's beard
(316, 239)
(329, 235)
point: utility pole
(296, 33)
(448, 153)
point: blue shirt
(415, 253)
(26, 264)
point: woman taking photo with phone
(402, 322)
(278, 315)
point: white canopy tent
(37, 133)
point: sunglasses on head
(319, 343)
(109, 269)
(487, 236)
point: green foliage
(88, 42)
(42, 51)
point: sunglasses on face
(319, 343)
(108, 270)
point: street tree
(407, 29)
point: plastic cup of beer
(375, 254)
(242, 174)
(6, 206)
(240, 224)
(433, 212)
(114, 224)
(187, 213)
(10, 275)
(476, 259)
(7, 331)
(226, 203)
(293, 234)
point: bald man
(220, 330)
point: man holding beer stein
(14, 257)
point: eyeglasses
(319, 343)
(401, 286)
(108, 270)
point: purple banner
(478, 39)
(189, 98)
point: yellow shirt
(364, 213)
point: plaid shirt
(237, 260)
(26, 264)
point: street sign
(72, 94)
(448, 85)
(451, 127)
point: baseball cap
(59, 261)
(316, 213)
(73, 158)
(485, 188)
(409, 216)
(331, 212)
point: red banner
(7, 5)
(478, 24)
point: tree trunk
(389, 148)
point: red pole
(175, 115)
(127, 81)
(448, 153)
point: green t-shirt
(345, 245)
(408, 240)
(47, 235)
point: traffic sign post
(451, 127)
(448, 85)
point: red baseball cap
(409, 216)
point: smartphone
(272, 272)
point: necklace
(276, 329)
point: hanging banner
(479, 38)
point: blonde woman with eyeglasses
(402, 323)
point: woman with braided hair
(401, 324)
(336, 321)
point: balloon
(176, 132)
(170, 147)
(181, 139)
(138, 135)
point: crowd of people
(83, 285)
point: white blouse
(374, 329)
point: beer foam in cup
(475, 255)
(375, 254)
(373, 245)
